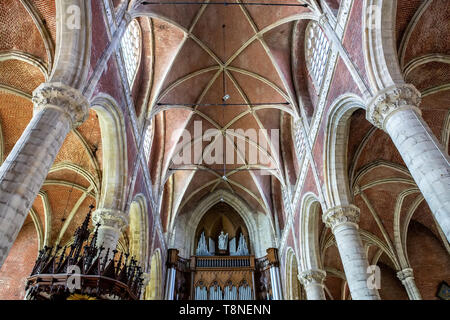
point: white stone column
(275, 279)
(57, 109)
(343, 222)
(312, 281)
(146, 277)
(395, 110)
(170, 284)
(406, 276)
(111, 224)
(171, 274)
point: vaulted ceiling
(393, 211)
(243, 52)
(194, 54)
(27, 51)
(27, 42)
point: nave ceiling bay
(225, 70)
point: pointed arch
(335, 149)
(39, 228)
(139, 239)
(131, 46)
(261, 231)
(42, 28)
(153, 291)
(294, 290)
(73, 43)
(309, 232)
(6, 55)
(380, 52)
(114, 145)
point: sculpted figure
(223, 241)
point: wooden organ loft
(222, 266)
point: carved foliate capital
(64, 98)
(341, 215)
(405, 274)
(312, 277)
(110, 218)
(391, 100)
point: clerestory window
(131, 50)
(148, 137)
(317, 49)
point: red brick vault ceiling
(27, 42)
(243, 52)
(27, 51)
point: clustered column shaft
(312, 281)
(406, 276)
(343, 222)
(58, 108)
(396, 111)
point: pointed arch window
(317, 50)
(148, 139)
(298, 138)
(131, 50)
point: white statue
(223, 241)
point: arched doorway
(294, 290)
(139, 230)
(153, 291)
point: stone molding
(405, 274)
(110, 218)
(64, 98)
(314, 276)
(337, 216)
(323, 20)
(390, 101)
